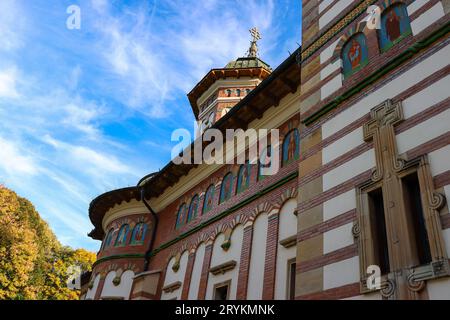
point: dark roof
(247, 62)
(100, 205)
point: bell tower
(221, 89)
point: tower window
(378, 219)
(238, 92)
(416, 222)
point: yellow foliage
(33, 264)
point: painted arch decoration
(395, 26)
(122, 236)
(355, 54)
(226, 188)
(138, 234)
(181, 215)
(244, 177)
(291, 147)
(264, 162)
(208, 201)
(193, 208)
(108, 238)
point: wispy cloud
(8, 81)
(12, 25)
(14, 162)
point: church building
(358, 208)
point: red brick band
(271, 258)
(244, 265)
(347, 291)
(328, 225)
(205, 272)
(329, 258)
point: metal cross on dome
(253, 50)
(255, 34)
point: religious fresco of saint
(208, 202)
(122, 236)
(226, 188)
(355, 54)
(265, 161)
(193, 208)
(182, 215)
(395, 26)
(243, 177)
(291, 147)
(109, 238)
(138, 235)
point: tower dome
(221, 89)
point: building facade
(362, 113)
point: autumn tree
(33, 264)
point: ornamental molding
(289, 241)
(172, 287)
(223, 268)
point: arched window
(108, 239)
(265, 162)
(238, 92)
(226, 188)
(395, 26)
(208, 201)
(291, 147)
(228, 93)
(181, 215)
(243, 177)
(138, 235)
(355, 54)
(122, 236)
(193, 208)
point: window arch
(243, 177)
(226, 188)
(181, 215)
(208, 201)
(138, 234)
(108, 238)
(291, 147)
(395, 26)
(122, 236)
(355, 54)
(193, 208)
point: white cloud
(8, 82)
(12, 25)
(14, 161)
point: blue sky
(87, 111)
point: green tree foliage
(33, 264)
